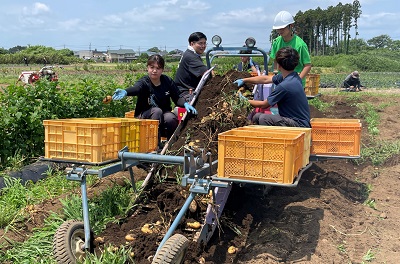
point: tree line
(334, 31)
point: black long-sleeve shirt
(163, 94)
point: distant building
(91, 55)
(121, 55)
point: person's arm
(305, 71)
(261, 79)
(260, 104)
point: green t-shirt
(298, 44)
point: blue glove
(119, 94)
(251, 62)
(190, 108)
(241, 96)
(239, 82)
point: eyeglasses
(202, 43)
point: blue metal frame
(219, 48)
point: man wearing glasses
(191, 66)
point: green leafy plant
(369, 256)
(319, 104)
(379, 151)
(371, 203)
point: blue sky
(140, 25)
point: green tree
(382, 41)
(395, 45)
(16, 49)
(154, 49)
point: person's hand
(241, 96)
(190, 108)
(239, 82)
(119, 94)
(251, 62)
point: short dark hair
(288, 58)
(156, 58)
(196, 36)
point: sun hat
(355, 74)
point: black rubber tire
(173, 251)
(68, 241)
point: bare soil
(323, 220)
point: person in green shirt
(283, 24)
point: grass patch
(15, 196)
(37, 248)
(114, 201)
(379, 151)
(111, 254)
(320, 105)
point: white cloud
(240, 17)
(167, 3)
(196, 5)
(36, 9)
(71, 24)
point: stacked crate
(96, 140)
(336, 137)
(257, 155)
(312, 84)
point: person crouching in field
(288, 93)
(154, 93)
(352, 82)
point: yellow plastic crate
(281, 129)
(140, 135)
(335, 137)
(82, 140)
(312, 84)
(261, 156)
(130, 131)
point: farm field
(342, 211)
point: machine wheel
(69, 242)
(173, 251)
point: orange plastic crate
(130, 114)
(148, 135)
(80, 140)
(312, 84)
(281, 129)
(260, 155)
(335, 137)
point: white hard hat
(282, 20)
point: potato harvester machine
(74, 238)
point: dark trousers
(273, 120)
(168, 121)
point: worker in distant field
(191, 67)
(154, 93)
(288, 94)
(284, 25)
(247, 63)
(352, 82)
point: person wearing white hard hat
(283, 24)
(352, 82)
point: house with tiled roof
(121, 55)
